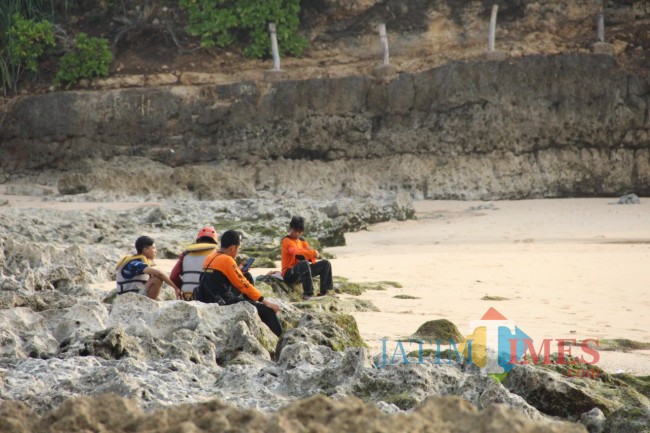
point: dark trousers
(267, 315)
(305, 271)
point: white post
(600, 46)
(601, 27)
(493, 27)
(274, 47)
(383, 38)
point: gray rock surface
(531, 127)
(552, 393)
(629, 199)
(165, 353)
(628, 419)
(60, 340)
(594, 420)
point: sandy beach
(568, 268)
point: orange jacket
(225, 265)
(295, 247)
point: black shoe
(306, 297)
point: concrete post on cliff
(602, 47)
(276, 73)
(491, 53)
(385, 71)
(383, 39)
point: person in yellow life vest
(136, 274)
(187, 270)
(224, 283)
(299, 261)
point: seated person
(136, 274)
(187, 270)
(299, 261)
(224, 283)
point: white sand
(570, 268)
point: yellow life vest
(136, 284)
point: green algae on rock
(433, 330)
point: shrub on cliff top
(224, 22)
(25, 42)
(91, 58)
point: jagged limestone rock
(24, 334)
(628, 419)
(273, 286)
(336, 331)
(239, 342)
(569, 397)
(483, 391)
(594, 420)
(110, 343)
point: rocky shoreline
(342, 147)
(63, 336)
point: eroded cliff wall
(537, 126)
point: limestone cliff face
(537, 126)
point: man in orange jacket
(224, 283)
(299, 261)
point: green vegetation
(25, 8)
(405, 297)
(640, 383)
(26, 34)
(91, 58)
(110, 298)
(433, 354)
(621, 345)
(572, 366)
(375, 389)
(222, 23)
(620, 394)
(24, 43)
(27, 31)
(263, 254)
(394, 284)
(402, 400)
(28, 40)
(441, 329)
(328, 304)
(343, 285)
(264, 262)
(276, 287)
(351, 336)
(499, 377)
(494, 298)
